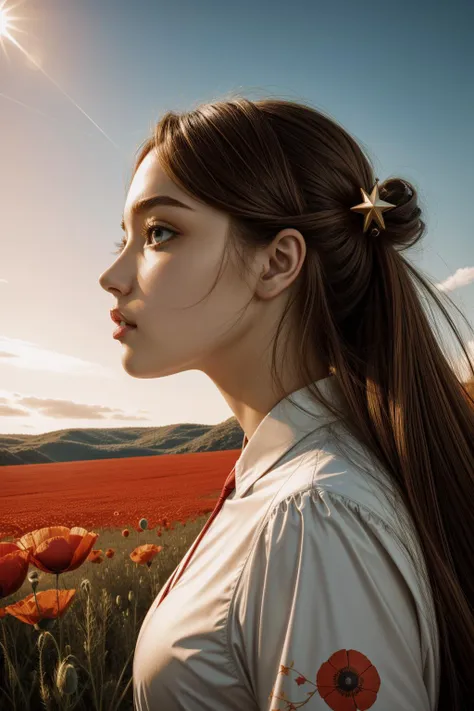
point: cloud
(461, 277)
(28, 356)
(63, 409)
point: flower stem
(59, 621)
(89, 648)
(7, 658)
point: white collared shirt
(303, 591)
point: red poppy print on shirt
(347, 681)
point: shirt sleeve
(321, 616)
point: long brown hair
(357, 303)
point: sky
(84, 92)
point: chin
(141, 374)
(144, 373)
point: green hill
(96, 443)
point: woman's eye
(156, 228)
(148, 231)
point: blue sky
(398, 78)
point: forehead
(150, 179)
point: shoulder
(344, 489)
(325, 576)
(337, 468)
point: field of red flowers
(68, 628)
(109, 493)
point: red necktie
(229, 486)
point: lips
(117, 316)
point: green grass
(96, 635)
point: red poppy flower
(58, 549)
(26, 610)
(110, 552)
(125, 533)
(347, 681)
(94, 556)
(145, 553)
(13, 567)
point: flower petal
(83, 549)
(13, 570)
(55, 554)
(27, 611)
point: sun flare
(3, 23)
(6, 27)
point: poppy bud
(143, 523)
(118, 600)
(33, 578)
(66, 678)
(130, 595)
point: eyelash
(145, 233)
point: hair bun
(397, 191)
(404, 224)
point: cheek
(175, 283)
(182, 278)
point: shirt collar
(282, 429)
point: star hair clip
(372, 208)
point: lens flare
(5, 26)
(4, 23)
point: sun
(6, 22)
(3, 23)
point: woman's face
(159, 274)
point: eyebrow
(144, 205)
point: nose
(103, 280)
(118, 278)
(111, 278)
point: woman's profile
(336, 573)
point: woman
(338, 572)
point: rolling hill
(72, 445)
